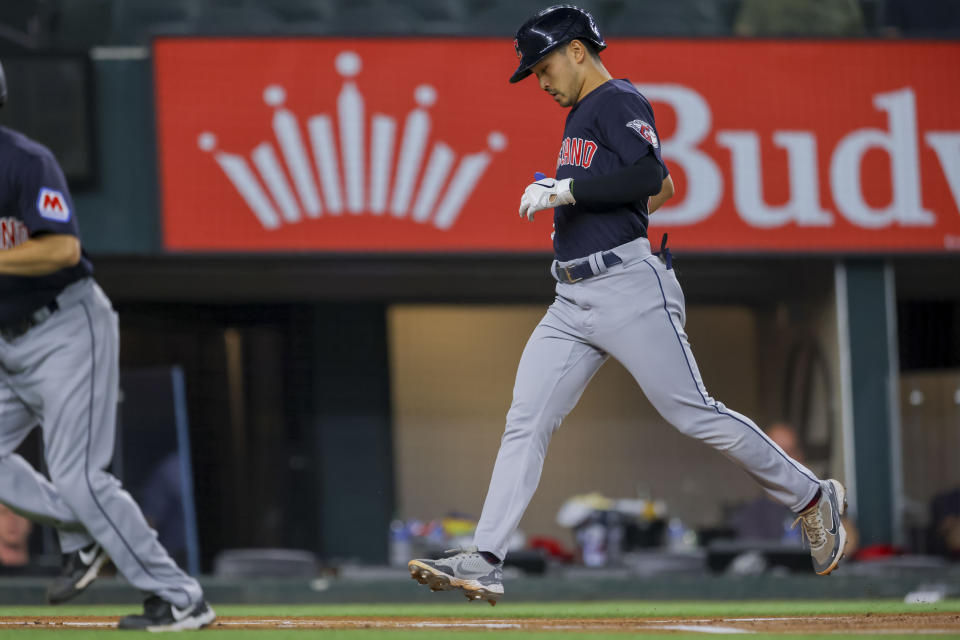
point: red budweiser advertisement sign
(400, 145)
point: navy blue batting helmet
(3, 87)
(549, 29)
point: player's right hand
(546, 193)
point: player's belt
(583, 270)
(16, 328)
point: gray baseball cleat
(822, 527)
(463, 569)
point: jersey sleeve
(45, 205)
(628, 128)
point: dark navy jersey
(34, 200)
(611, 128)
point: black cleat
(160, 615)
(80, 569)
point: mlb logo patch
(646, 131)
(52, 205)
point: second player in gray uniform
(59, 368)
(614, 298)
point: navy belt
(582, 270)
(16, 328)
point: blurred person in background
(14, 537)
(779, 18)
(945, 524)
(762, 518)
(59, 367)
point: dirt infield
(856, 624)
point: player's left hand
(545, 194)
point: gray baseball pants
(63, 374)
(633, 311)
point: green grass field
(555, 611)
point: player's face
(557, 76)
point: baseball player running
(59, 369)
(614, 298)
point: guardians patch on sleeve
(646, 131)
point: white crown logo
(383, 185)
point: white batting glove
(545, 194)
